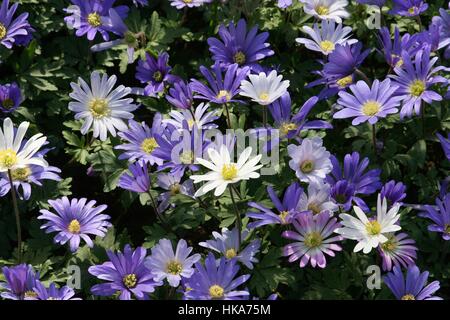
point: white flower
(317, 199)
(310, 160)
(326, 9)
(325, 38)
(101, 107)
(370, 233)
(264, 89)
(15, 154)
(224, 171)
(198, 118)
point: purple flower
(180, 95)
(189, 118)
(126, 273)
(140, 2)
(216, 281)
(20, 282)
(75, 220)
(342, 193)
(398, 250)
(408, 8)
(221, 89)
(445, 142)
(172, 183)
(429, 37)
(414, 80)
(138, 181)
(13, 31)
(443, 22)
(393, 49)
(394, 192)
(236, 45)
(180, 4)
(53, 293)
(440, 215)
(414, 286)
(313, 239)
(10, 97)
(368, 104)
(287, 208)
(283, 4)
(378, 3)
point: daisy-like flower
(283, 4)
(203, 120)
(326, 36)
(408, 8)
(443, 22)
(181, 95)
(10, 97)
(445, 143)
(368, 103)
(236, 45)
(394, 192)
(170, 265)
(14, 153)
(399, 250)
(20, 282)
(370, 233)
(180, 4)
(172, 183)
(227, 244)
(415, 79)
(125, 273)
(287, 208)
(440, 215)
(378, 3)
(393, 49)
(221, 89)
(264, 89)
(342, 193)
(313, 239)
(75, 220)
(317, 199)
(326, 9)
(224, 171)
(216, 281)
(310, 160)
(53, 293)
(413, 287)
(141, 141)
(100, 106)
(13, 31)
(138, 181)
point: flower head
(393, 49)
(378, 3)
(181, 95)
(394, 192)
(440, 215)
(399, 250)
(172, 183)
(317, 199)
(20, 282)
(13, 31)
(326, 9)
(138, 181)
(10, 97)
(53, 293)
(443, 23)
(180, 4)
(201, 118)
(264, 89)
(408, 8)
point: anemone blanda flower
(53, 293)
(264, 89)
(125, 273)
(317, 199)
(440, 215)
(181, 95)
(394, 192)
(224, 171)
(408, 8)
(370, 233)
(326, 36)
(378, 3)
(368, 103)
(216, 281)
(100, 106)
(287, 208)
(138, 181)
(413, 287)
(310, 160)
(143, 3)
(180, 4)
(227, 244)
(10, 97)
(342, 192)
(445, 142)
(173, 266)
(283, 4)
(443, 22)
(19, 282)
(326, 9)
(399, 250)
(204, 120)
(221, 89)
(13, 31)
(74, 220)
(172, 183)
(236, 45)
(393, 48)
(314, 237)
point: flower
(368, 103)
(445, 142)
(138, 181)
(20, 282)
(440, 215)
(198, 117)
(125, 273)
(220, 90)
(14, 153)
(13, 31)
(181, 95)
(236, 45)
(283, 4)
(326, 9)
(399, 250)
(140, 2)
(394, 192)
(443, 22)
(101, 107)
(378, 3)
(317, 200)
(10, 97)
(370, 233)
(408, 8)
(216, 281)
(180, 4)
(165, 264)
(224, 171)
(264, 89)
(75, 220)
(326, 36)
(342, 192)
(172, 183)
(287, 209)
(227, 244)
(393, 49)
(53, 293)
(414, 288)
(312, 239)
(310, 160)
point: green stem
(228, 115)
(238, 215)
(264, 116)
(17, 214)
(363, 75)
(374, 139)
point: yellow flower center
(99, 108)
(94, 19)
(447, 229)
(8, 158)
(322, 10)
(412, 10)
(345, 81)
(408, 297)
(216, 291)
(417, 87)
(3, 31)
(399, 62)
(390, 245)
(20, 174)
(327, 46)
(231, 253)
(314, 207)
(30, 294)
(264, 96)
(283, 215)
(313, 239)
(286, 127)
(7, 103)
(307, 166)
(157, 76)
(130, 280)
(191, 123)
(175, 189)
(187, 157)
(371, 108)
(187, 1)
(239, 58)
(224, 94)
(149, 145)
(373, 228)
(74, 226)
(174, 267)
(229, 171)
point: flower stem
(264, 116)
(17, 214)
(364, 76)
(228, 115)
(238, 215)
(374, 139)
(155, 207)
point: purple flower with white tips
(202, 119)
(398, 250)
